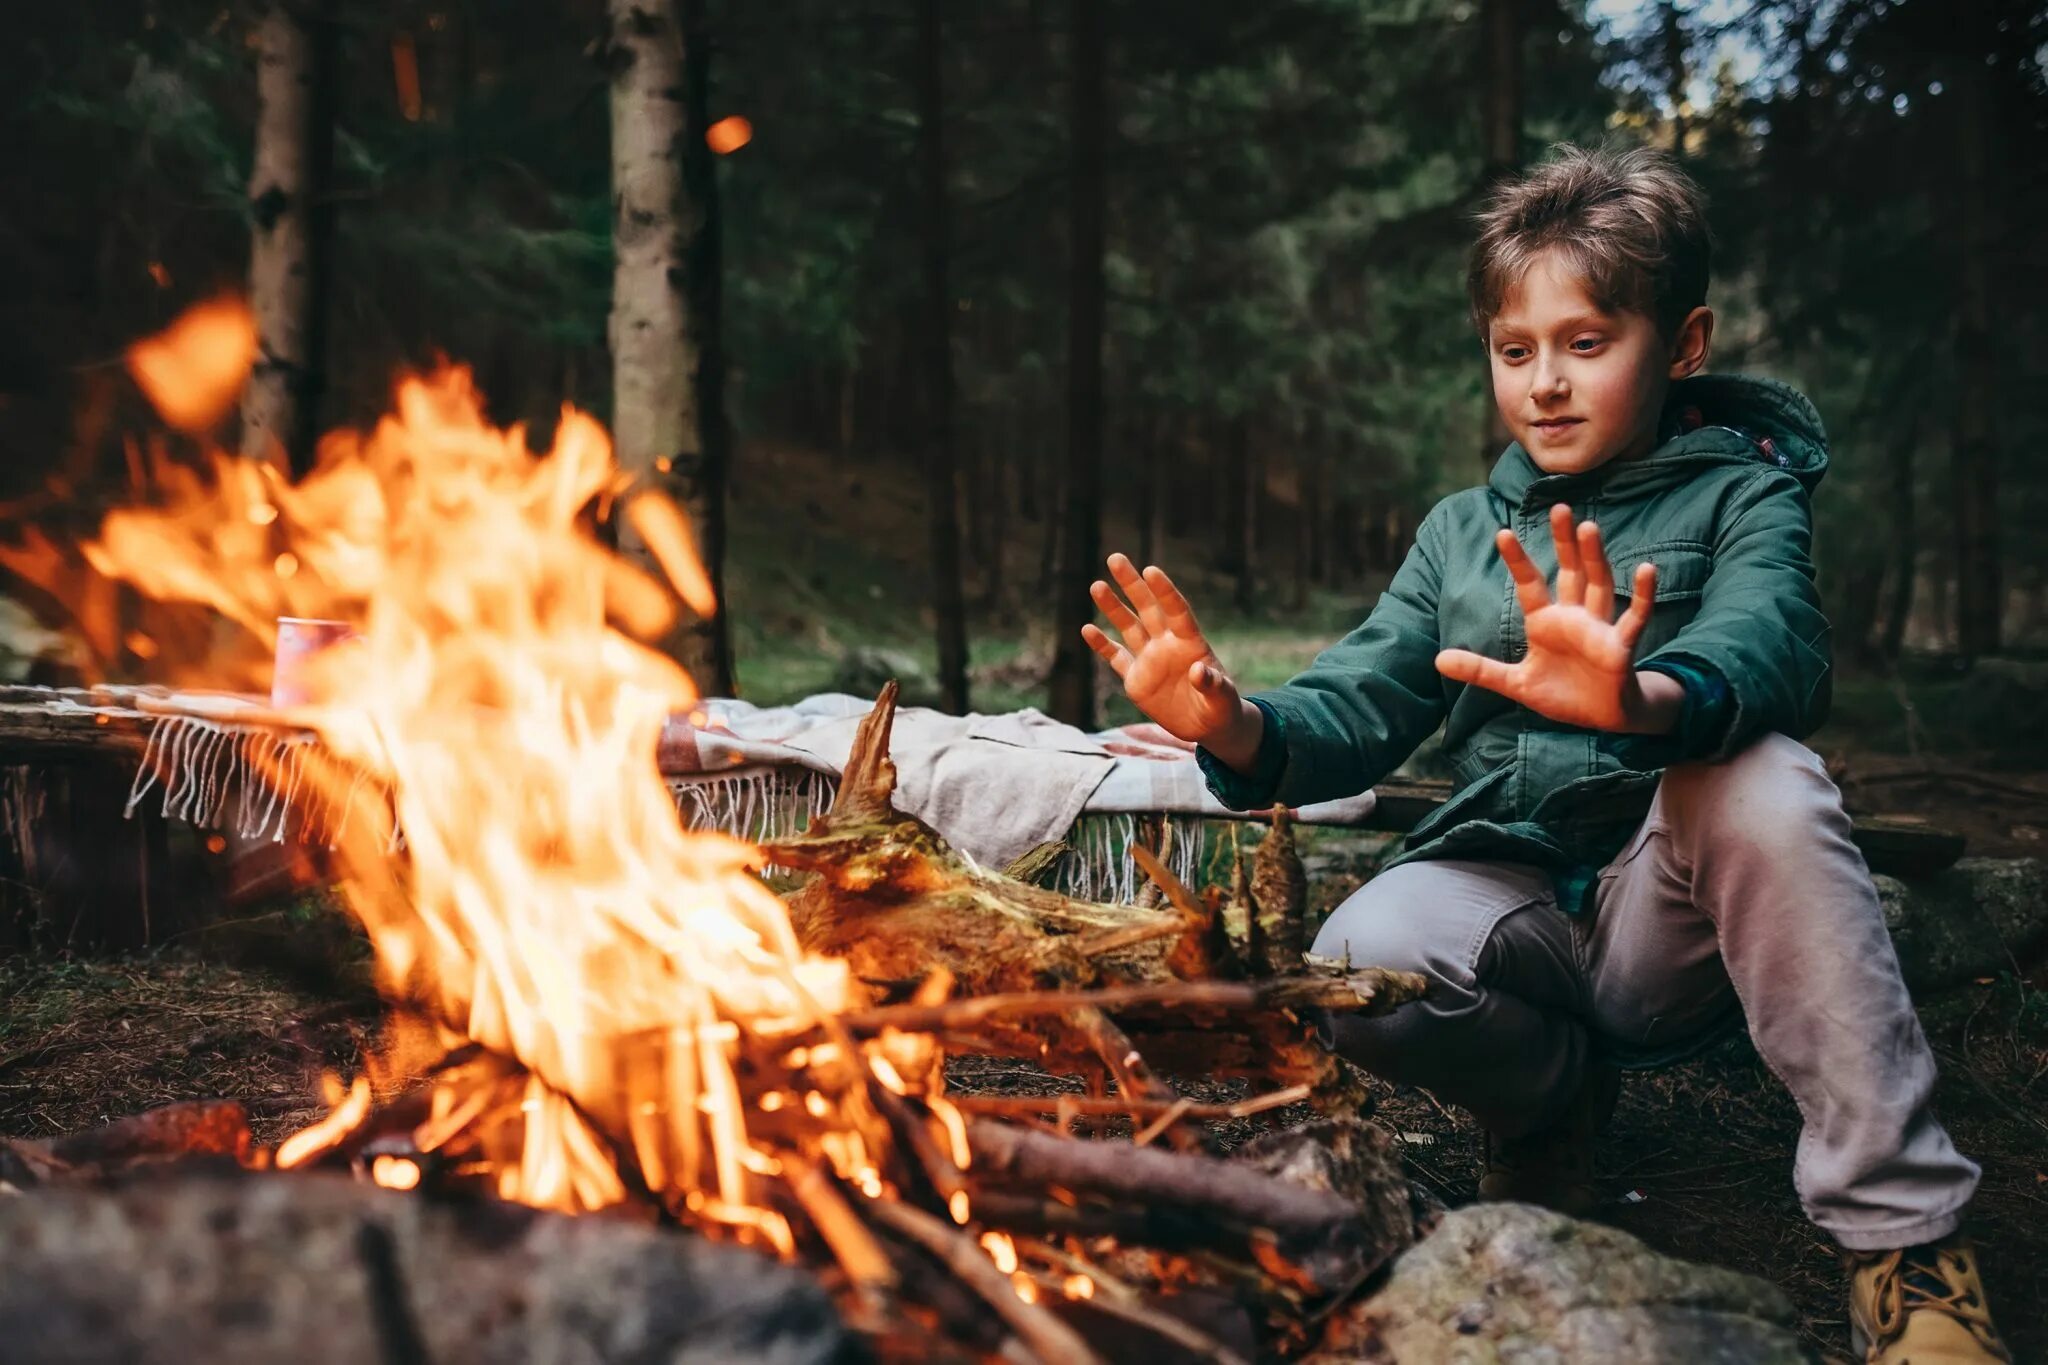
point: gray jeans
(1741, 892)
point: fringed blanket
(994, 786)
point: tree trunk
(1980, 586)
(668, 370)
(1905, 539)
(996, 498)
(1246, 492)
(1152, 438)
(1053, 532)
(941, 477)
(1501, 23)
(1073, 668)
(1675, 74)
(291, 224)
(1305, 466)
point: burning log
(169, 1133)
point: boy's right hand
(1168, 669)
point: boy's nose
(1549, 385)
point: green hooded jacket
(1720, 507)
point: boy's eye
(1513, 352)
(1585, 343)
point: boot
(1921, 1305)
(1553, 1166)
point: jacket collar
(1708, 419)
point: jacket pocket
(1463, 805)
(1683, 568)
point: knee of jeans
(1382, 930)
(1772, 791)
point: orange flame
(549, 905)
(729, 134)
(193, 371)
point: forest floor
(1697, 1161)
(1698, 1158)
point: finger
(1630, 627)
(1179, 616)
(1120, 616)
(1142, 601)
(1212, 682)
(1529, 587)
(1599, 573)
(1113, 654)
(1462, 665)
(1571, 574)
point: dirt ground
(1698, 1159)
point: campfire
(595, 1009)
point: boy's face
(1577, 385)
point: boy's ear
(1695, 338)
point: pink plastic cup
(299, 638)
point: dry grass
(85, 1042)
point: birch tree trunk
(941, 476)
(667, 369)
(291, 226)
(1073, 667)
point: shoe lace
(1929, 1278)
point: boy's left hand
(1580, 666)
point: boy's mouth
(1554, 425)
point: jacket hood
(1708, 419)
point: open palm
(1580, 664)
(1168, 669)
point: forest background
(979, 291)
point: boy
(1640, 852)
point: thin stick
(1030, 1105)
(1361, 989)
(1130, 936)
(1183, 900)
(1189, 1184)
(1047, 1337)
(1198, 1345)
(980, 1008)
(856, 1249)
(1175, 1112)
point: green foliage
(1289, 189)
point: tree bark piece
(1279, 896)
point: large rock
(177, 1268)
(1511, 1284)
(1974, 919)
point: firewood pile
(944, 1225)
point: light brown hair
(1629, 223)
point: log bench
(74, 872)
